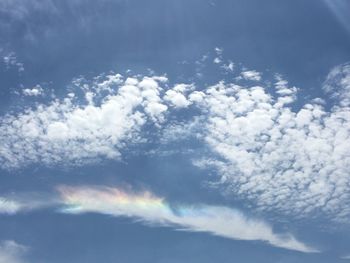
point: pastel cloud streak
(217, 220)
(152, 210)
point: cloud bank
(268, 152)
(71, 131)
(293, 162)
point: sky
(174, 131)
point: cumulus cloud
(217, 220)
(177, 95)
(70, 131)
(35, 91)
(266, 152)
(12, 252)
(292, 162)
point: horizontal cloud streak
(220, 221)
(145, 207)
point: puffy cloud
(292, 162)
(70, 131)
(251, 75)
(217, 220)
(278, 158)
(177, 95)
(11, 252)
(35, 91)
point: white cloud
(177, 95)
(220, 221)
(8, 206)
(294, 162)
(218, 58)
(337, 84)
(26, 202)
(35, 91)
(144, 206)
(228, 67)
(251, 75)
(71, 132)
(291, 162)
(11, 252)
(10, 60)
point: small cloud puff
(252, 75)
(35, 91)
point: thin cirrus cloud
(217, 220)
(152, 210)
(12, 252)
(8, 206)
(340, 9)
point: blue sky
(174, 131)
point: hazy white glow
(341, 9)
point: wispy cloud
(251, 75)
(8, 206)
(346, 257)
(217, 220)
(12, 252)
(11, 61)
(152, 210)
(340, 9)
